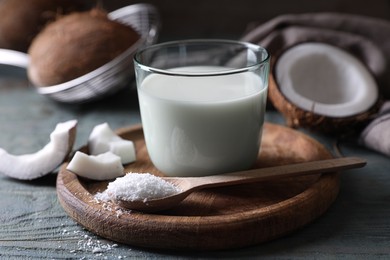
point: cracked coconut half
(322, 87)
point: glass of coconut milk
(202, 104)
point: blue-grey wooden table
(33, 224)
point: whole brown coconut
(76, 44)
(21, 20)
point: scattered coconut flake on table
(137, 187)
(92, 244)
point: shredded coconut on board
(137, 187)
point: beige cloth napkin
(365, 37)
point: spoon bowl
(187, 185)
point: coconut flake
(325, 80)
(102, 139)
(104, 166)
(137, 187)
(44, 161)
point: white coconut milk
(202, 125)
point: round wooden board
(212, 219)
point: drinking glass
(202, 104)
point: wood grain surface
(218, 218)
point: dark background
(230, 19)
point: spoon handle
(277, 172)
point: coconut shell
(297, 117)
(21, 20)
(76, 44)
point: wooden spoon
(188, 185)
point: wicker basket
(116, 74)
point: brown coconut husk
(76, 44)
(297, 117)
(21, 20)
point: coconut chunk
(104, 166)
(325, 80)
(102, 139)
(44, 161)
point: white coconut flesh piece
(44, 161)
(104, 166)
(325, 80)
(102, 139)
